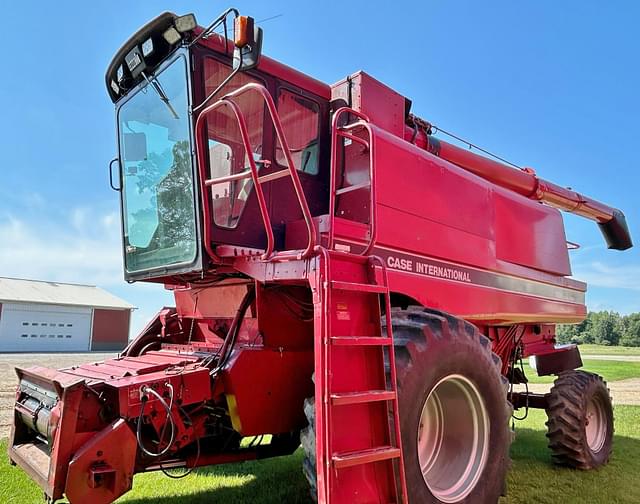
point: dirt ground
(622, 391)
(623, 358)
(9, 380)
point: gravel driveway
(9, 380)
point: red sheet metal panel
(384, 106)
(433, 238)
(273, 403)
(219, 301)
(486, 304)
(275, 68)
(428, 205)
(481, 295)
(421, 185)
(530, 235)
(100, 479)
(191, 384)
(130, 366)
(110, 329)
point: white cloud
(109, 220)
(611, 276)
(62, 250)
(79, 218)
(82, 246)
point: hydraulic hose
(167, 408)
(232, 335)
(195, 463)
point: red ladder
(358, 438)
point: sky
(546, 84)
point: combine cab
(343, 280)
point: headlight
(172, 36)
(185, 23)
(147, 47)
(135, 62)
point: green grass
(272, 481)
(608, 350)
(533, 479)
(611, 370)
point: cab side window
(227, 154)
(300, 121)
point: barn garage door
(44, 328)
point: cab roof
(118, 87)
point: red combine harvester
(342, 279)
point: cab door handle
(117, 188)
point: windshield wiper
(163, 96)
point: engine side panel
(445, 203)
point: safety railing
(252, 172)
(337, 132)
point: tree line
(603, 328)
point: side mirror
(248, 43)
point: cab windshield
(157, 172)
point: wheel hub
(453, 438)
(595, 425)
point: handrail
(297, 185)
(353, 138)
(228, 178)
(253, 172)
(343, 131)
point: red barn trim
(110, 329)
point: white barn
(38, 316)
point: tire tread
(565, 411)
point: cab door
(235, 218)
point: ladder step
(344, 398)
(359, 457)
(361, 340)
(359, 287)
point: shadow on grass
(268, 481)
(533, 478)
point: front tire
(446, 371)
(308, 442)
(454, 411)
(580, 420)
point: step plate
(359, 457)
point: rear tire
(580, 420)
(449, 378)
